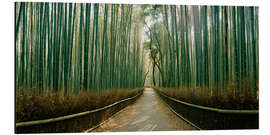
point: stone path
(148, 113)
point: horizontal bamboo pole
(38, 122)
(211, 108)
(189, 122)
(91, 129)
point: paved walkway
(148, 113)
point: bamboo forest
(79, 64)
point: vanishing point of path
(148, 113)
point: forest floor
(233, 98)
(35, 106)
(148, 113)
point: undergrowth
(231, 98)
(35, 106)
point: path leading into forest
(148, 113)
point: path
(148, 113)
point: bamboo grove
(73, 47)
(207, 47)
